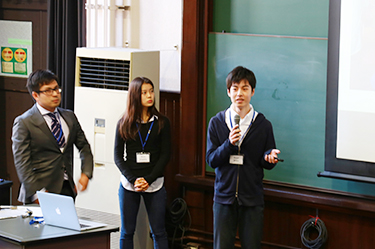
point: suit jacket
(37, 157)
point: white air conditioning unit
(102, 79)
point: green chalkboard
(281, 17)
(290, 92)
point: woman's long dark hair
(128, 128)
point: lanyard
(248, 128)
(148, 134)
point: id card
(143, 157)
(236, 159)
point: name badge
(143, 157)
(236, 159)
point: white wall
(158, 25)
(147, 24)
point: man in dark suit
(43, 139)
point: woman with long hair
(142, 150)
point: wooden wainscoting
(349, 218)
(170, 107)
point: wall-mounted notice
(16, 48)
(14, 60)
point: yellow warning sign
(7, 54)
(20, 55)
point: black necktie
(57, 130)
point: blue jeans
(155, 205)
(227, 218)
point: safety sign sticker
(14, 60)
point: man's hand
(235, 135)
(83, 182)
(271, 158)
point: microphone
(237, 122)
(237, 119)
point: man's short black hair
(241, 73)
(38, 78)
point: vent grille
(104, 73)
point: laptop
(59, 210)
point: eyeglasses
(49, 92)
